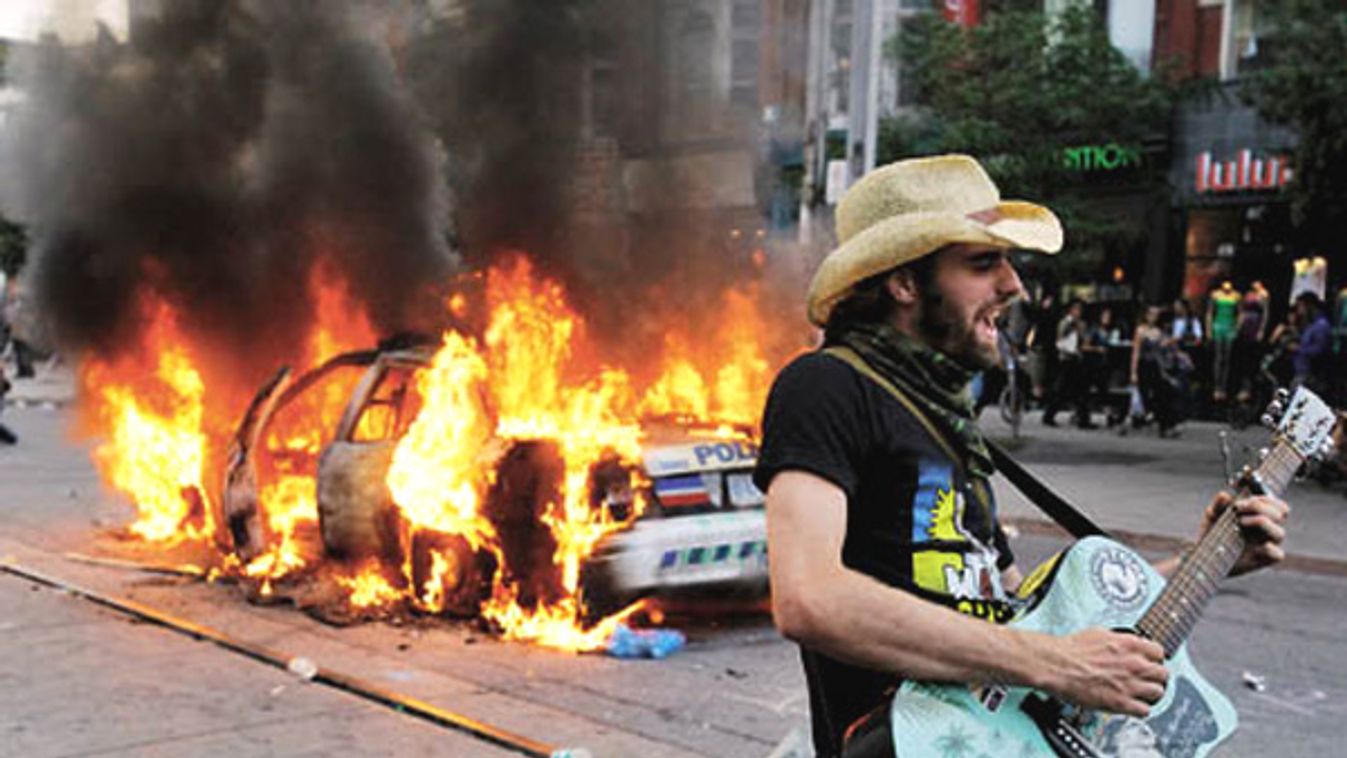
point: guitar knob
(1263, 453)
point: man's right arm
(822, 604)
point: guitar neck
(1172, 617)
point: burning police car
(705, 528)
(702, 526)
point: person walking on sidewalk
(1073, 380)
(1150, 371)
(885, 554)
(1100, 335)
(19, 321)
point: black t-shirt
(915, 521)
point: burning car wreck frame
(702, 526)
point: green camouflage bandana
(936, 382)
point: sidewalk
(1142, 485)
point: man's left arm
(1262, 519)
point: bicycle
(1011, 401)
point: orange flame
(727, 380)
(288, 498)
(434, 476)
(369, 588)
(517, 390)
(155, 452)
(531, 377)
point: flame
(340, 323)
(530, 377)
(155, 451)
(530, 337)
(432, 592)
(727, 380)
(369, 588)
(434, 477)
(289, 504)
(681, 390)
(745, 373)
(296, 435)
(514, 387)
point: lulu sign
(1244, 173)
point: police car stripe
(706, 554)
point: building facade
(1229, 167)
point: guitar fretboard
(1172, 617)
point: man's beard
(943, 330)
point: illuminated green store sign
(1110, 157)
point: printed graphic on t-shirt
(937, 514)
(963, 568)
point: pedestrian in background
(1249, 335)
(1148, 373)
(1100, 334)
(1313, 356)
(18, 321)
(6, 436)
(1187, 328)
(1276, 368)
(1187, 333)
(1072, 386)
(1042, 348)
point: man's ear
(902, 286)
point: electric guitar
(1100, 583)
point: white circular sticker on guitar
(1118, 577)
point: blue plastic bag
(626, 642)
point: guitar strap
(1066, 515)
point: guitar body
(1096, 583)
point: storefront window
(1209, 249)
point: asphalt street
(84, 680)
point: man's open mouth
(986, 324)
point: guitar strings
(1198, 576)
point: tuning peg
(1276, 409)
(1282, 395)
(1263, 453)
(1268, 420)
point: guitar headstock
(1303, 422)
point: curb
(48, 404)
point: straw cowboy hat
(905, 210)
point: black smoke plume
(500, 81)
(213, 158)
(230, 144)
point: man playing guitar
(886, 557)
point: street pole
(863, 121)
(816, 128)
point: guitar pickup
(1065, 740)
